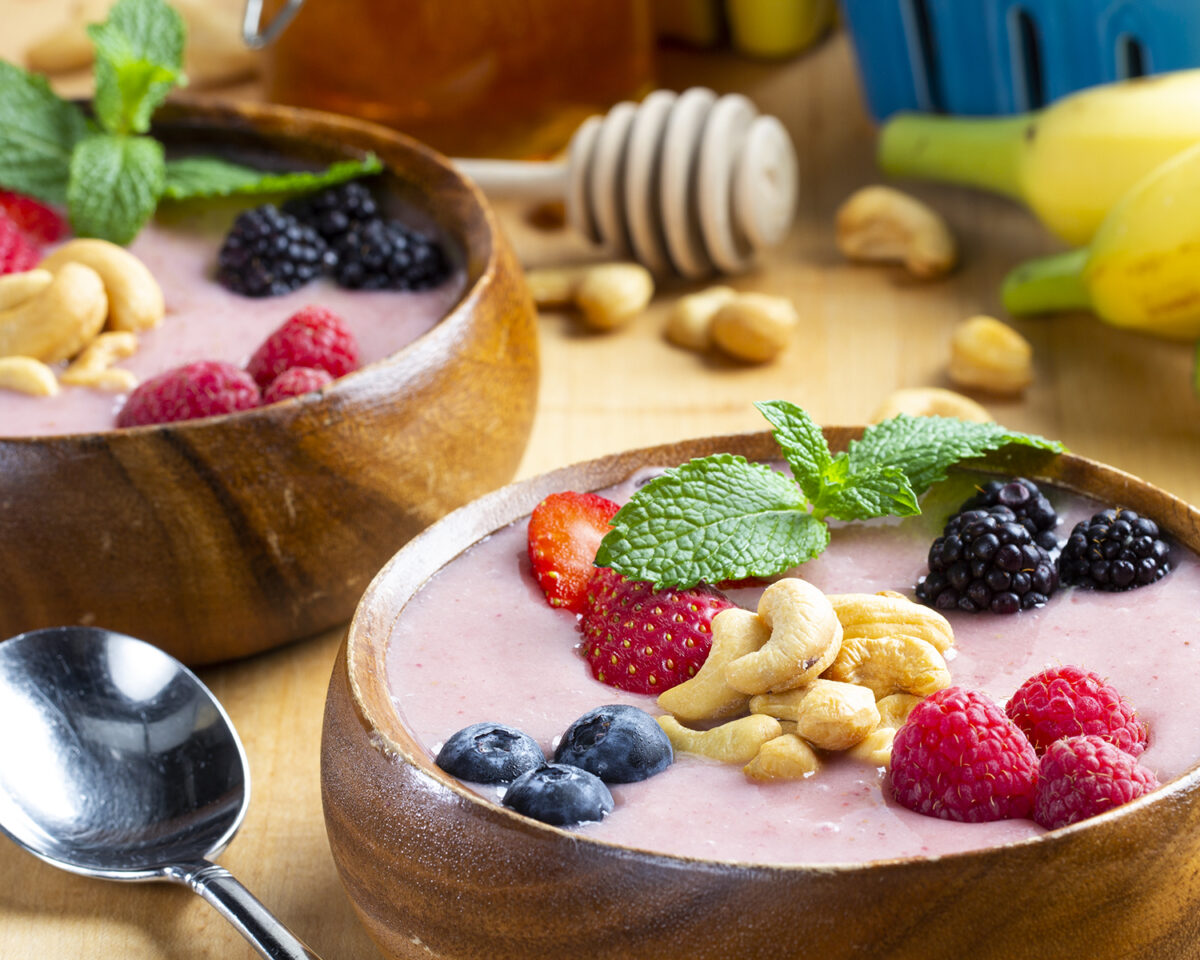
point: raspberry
(267, 253)
(17, 252)
(1030, 506)
(958, 757)
(1115, 550)
(1069, 701)
(645, 640)
(202, 389)
(1080, 777)
(40, 223)
(294, 382)
(312, 337)
(565, 531)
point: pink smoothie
(479, 643)
(204, 321)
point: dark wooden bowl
(222, 537)
(434, 870)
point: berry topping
(986, 560)
(958, 757)
(333, 211)
(294, 382)
(489, 753)
(268, 252)
(17, 252)
(645, 640)
(619, 744)
(1069, 701)
(312, 337)
(40, 223)
(565, 530)
(386, 255)
(202, 389)
(559, 795)
(1033, 511)
(1115, 550)
(1081, 777)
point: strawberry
(37, 221)
(18, 253)
(645, 640)
(565, 531)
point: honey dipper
(688, 183)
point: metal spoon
(117, 762)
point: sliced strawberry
(17, 252)
(565, 531)
(40, 223)
(645, 640)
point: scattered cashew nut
(58, 322)
(805, 639)
(608, 295)
(135, 300)
(890, 614)
(892, 664)
(737, 741)
(787, 757)
(27, 375)
(690, 318)
(754, 327)
(93, 367)
(876, 747)
(706, 696)
(828, 714)
(16, 288)
(930, 402)
(989, 355)
(881, 225)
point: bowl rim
(366, 659)
(274, 119)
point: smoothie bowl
(702, 860)
(225, 535)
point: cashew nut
(931, 402)
(16, 288)
(706, 696)
(59, 321)
(691, 317)
(881, 225)
(828, 714)
(135, 300)
(990, 355)
(893, 664)
(737, 741)
(27, 375)
(92, 368)
(787, 757)
(554, 286)
(805, 638)
(890, 614)
(876, 747)
(754, 327)
(607, 294)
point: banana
(1069, 163)
(1142, 268)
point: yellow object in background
(769, 29)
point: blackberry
(1023, 498)
(333, 211)
(987, 560)
(268, 252)
(1115, 550)
(386, 255)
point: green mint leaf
(802, 442)
(139, 59)
(115, 185)
(872, 491)
(715, 518)
(925, 447)
(192, 177)
(38, 131)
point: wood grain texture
(220, 538)
(432, 867)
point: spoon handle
(241, 908)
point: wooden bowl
(221, 537)
(435, 870)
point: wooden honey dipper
(688, 183)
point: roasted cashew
(881, 225)
(737, 741)
(690, 318)
(787, 757)
(135, 300)
(876, 747)
(16, 288)
(706, 696)
(59, 321)
(26, 375)
(989, 355)
(805, 638)
(754, 327)
(607, 294)
(893, 664)
(828, 714)
(890, 614)
(930, 402)
(93, 367)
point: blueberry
(560, 795)
(489, 753)
(619, 744)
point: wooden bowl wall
(433, 869)
(222, 537)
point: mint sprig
(721, 518)
(108, 173)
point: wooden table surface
(1109, 395)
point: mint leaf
(115, 183)
(802, 442)
(192, 177)
(139, 59)
(38, 131)
(872, 491)
(716, 518)
(925, 447)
